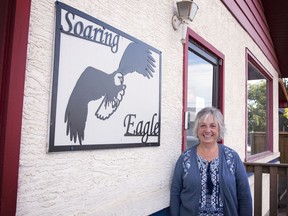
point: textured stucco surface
(132, 181)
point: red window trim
(209, 47)
(251, 58)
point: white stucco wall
(223, 31)
(131, 181)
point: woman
(210, 178)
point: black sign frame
(90, 29)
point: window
(259, 86)
(203, 84)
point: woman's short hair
(216, 114)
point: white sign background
(141, 98)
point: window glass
(202, 85)
(258, 111)
(200, 82)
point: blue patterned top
(232, 191)
(209, 204)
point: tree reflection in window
(257, 103)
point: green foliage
(257, 106)
(285, 81)
(283, 120)
(286, 113)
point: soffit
(276, 13)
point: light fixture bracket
(187, 10)
(176, 22)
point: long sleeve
(185, 188)
(243, 190)
(176, 190)
(234, 183)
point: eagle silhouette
(94, 84)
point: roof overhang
(277, 18)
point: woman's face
(208, 130)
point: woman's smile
(208, 130)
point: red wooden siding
(251, 17)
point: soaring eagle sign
(94, 84)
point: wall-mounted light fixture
(187, 10)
